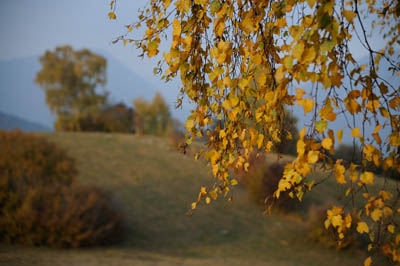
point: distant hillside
(20, 96)
(10, 122)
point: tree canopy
(245, 62)
(71, 81)
(152, 117)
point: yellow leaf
(226, 105)
(390, 228)
(221, 58)
(311, 3)
(327, 143)
(261, 79)
(337, 220)
(247, 25)
(352, 105)
(376, 215)
(288, 62)
(234, 101)
(189, 124)
(327, 223)
(327, 112)
(208, 200)
(367, 261)
(307, 105)
(227, 81)
(362, 227)
(384, 112)
(309, 54)
(367, 178)
(246, 167)
(387, 211)
(349, 15)
(112, 15)
(176, 25)
(339, 173)
(356, 133)
(194, 204)
(299, 93)
(260, 140)
(257, 59)
(321, 125)
(312, 157)
(234, 182)
(353, 172)
(300, 147)
(373, 105)
(219, 28)
(298, 50)
(213, 194)
(183, 5)
(243, 83)
(279, 74)
(340, 135)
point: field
(153, 185)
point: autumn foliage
(245, 62)
(41, 202)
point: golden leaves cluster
(244, 63)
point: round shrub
(27, 161)
(261, 181)
(31, 160)
(40, 200)
(62, 216)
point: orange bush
(40, 202)
(62, 216)
(261, 181)
(32, 159)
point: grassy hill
(153, 185)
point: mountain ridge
(10, 122)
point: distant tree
(117, 118)
(71, 80)
(152, 118)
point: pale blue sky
(29, 27)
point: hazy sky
(29, 27)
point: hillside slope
(10, 122)
(153, 185)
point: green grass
(153, 185)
